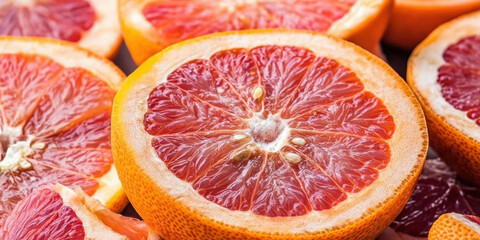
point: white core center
(16, 153)
(269, 133)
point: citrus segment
(444, 72)
(57, 212)
(90, 24)
(241, 171)
(459, 77)
(43, 215)
(204, 17)
(65, 20)
(60, 132)
(151, 25)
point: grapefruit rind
(364, 24)
(452, 134)
(110, 191)
(158, 194)
(454, 226)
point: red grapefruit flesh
(60, 213)
(439, 190)
(205, 125)
(55, 125)
(60, 19)
(459, 77)
(180, 20)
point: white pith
(267, 126)
(472, 225)
(408, 142)
(424, 71)
(17, 151)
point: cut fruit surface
(444, 72)
(439, 191)
(57, 212)
(413, 20)
(151, 25)
(55, 109)
(90, 24)
(455, 226)
(267, 127)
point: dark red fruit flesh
(179, 20)
(474, 219)
(60, 19)
(63, 114)
(439, 190)
(211, 131)
(459, 77)
(42, 215)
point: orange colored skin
(413, 20)
(172, 220)
(448, 228)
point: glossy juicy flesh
(54, 127)
(274, 130)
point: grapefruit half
(444, 73)
(55, 104)
(151, 25)
(60, 213)
(413, 20)
(89, 23)
(275, 134)
(454, 226)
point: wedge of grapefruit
(439, 190)
(151, 25)
(413, 20)
(444, 73)
(454, 226)
(57, 212)
(89, 23)
(55, 109)
(267, 134)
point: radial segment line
(326, 105)
(219, 162)
(290, 98)
(318, 168)
(331, 133)
(265, 160)
(91, 177)
(231, 85)
(220, 131)
(296, 178)
(204, 102)
(259, 78)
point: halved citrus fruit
(444, 73)
(276, 134)
(89, 23)
(454, 226)
(55, 104)
(57, 212)
(413, 20)
(439, 190)
(151, 25)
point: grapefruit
(454, 226)
(439, 191)
(412, 20)
(57, 212)
(55, 109)
(444, 73)
(267, 134)
(91, 24)
(149, 26)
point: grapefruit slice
(151, 25)
(444, 73)
(55, 109)
(439, 191)
(232, 135)
(413, 20)
(91, 24)
(61, 213)
(454, 226)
